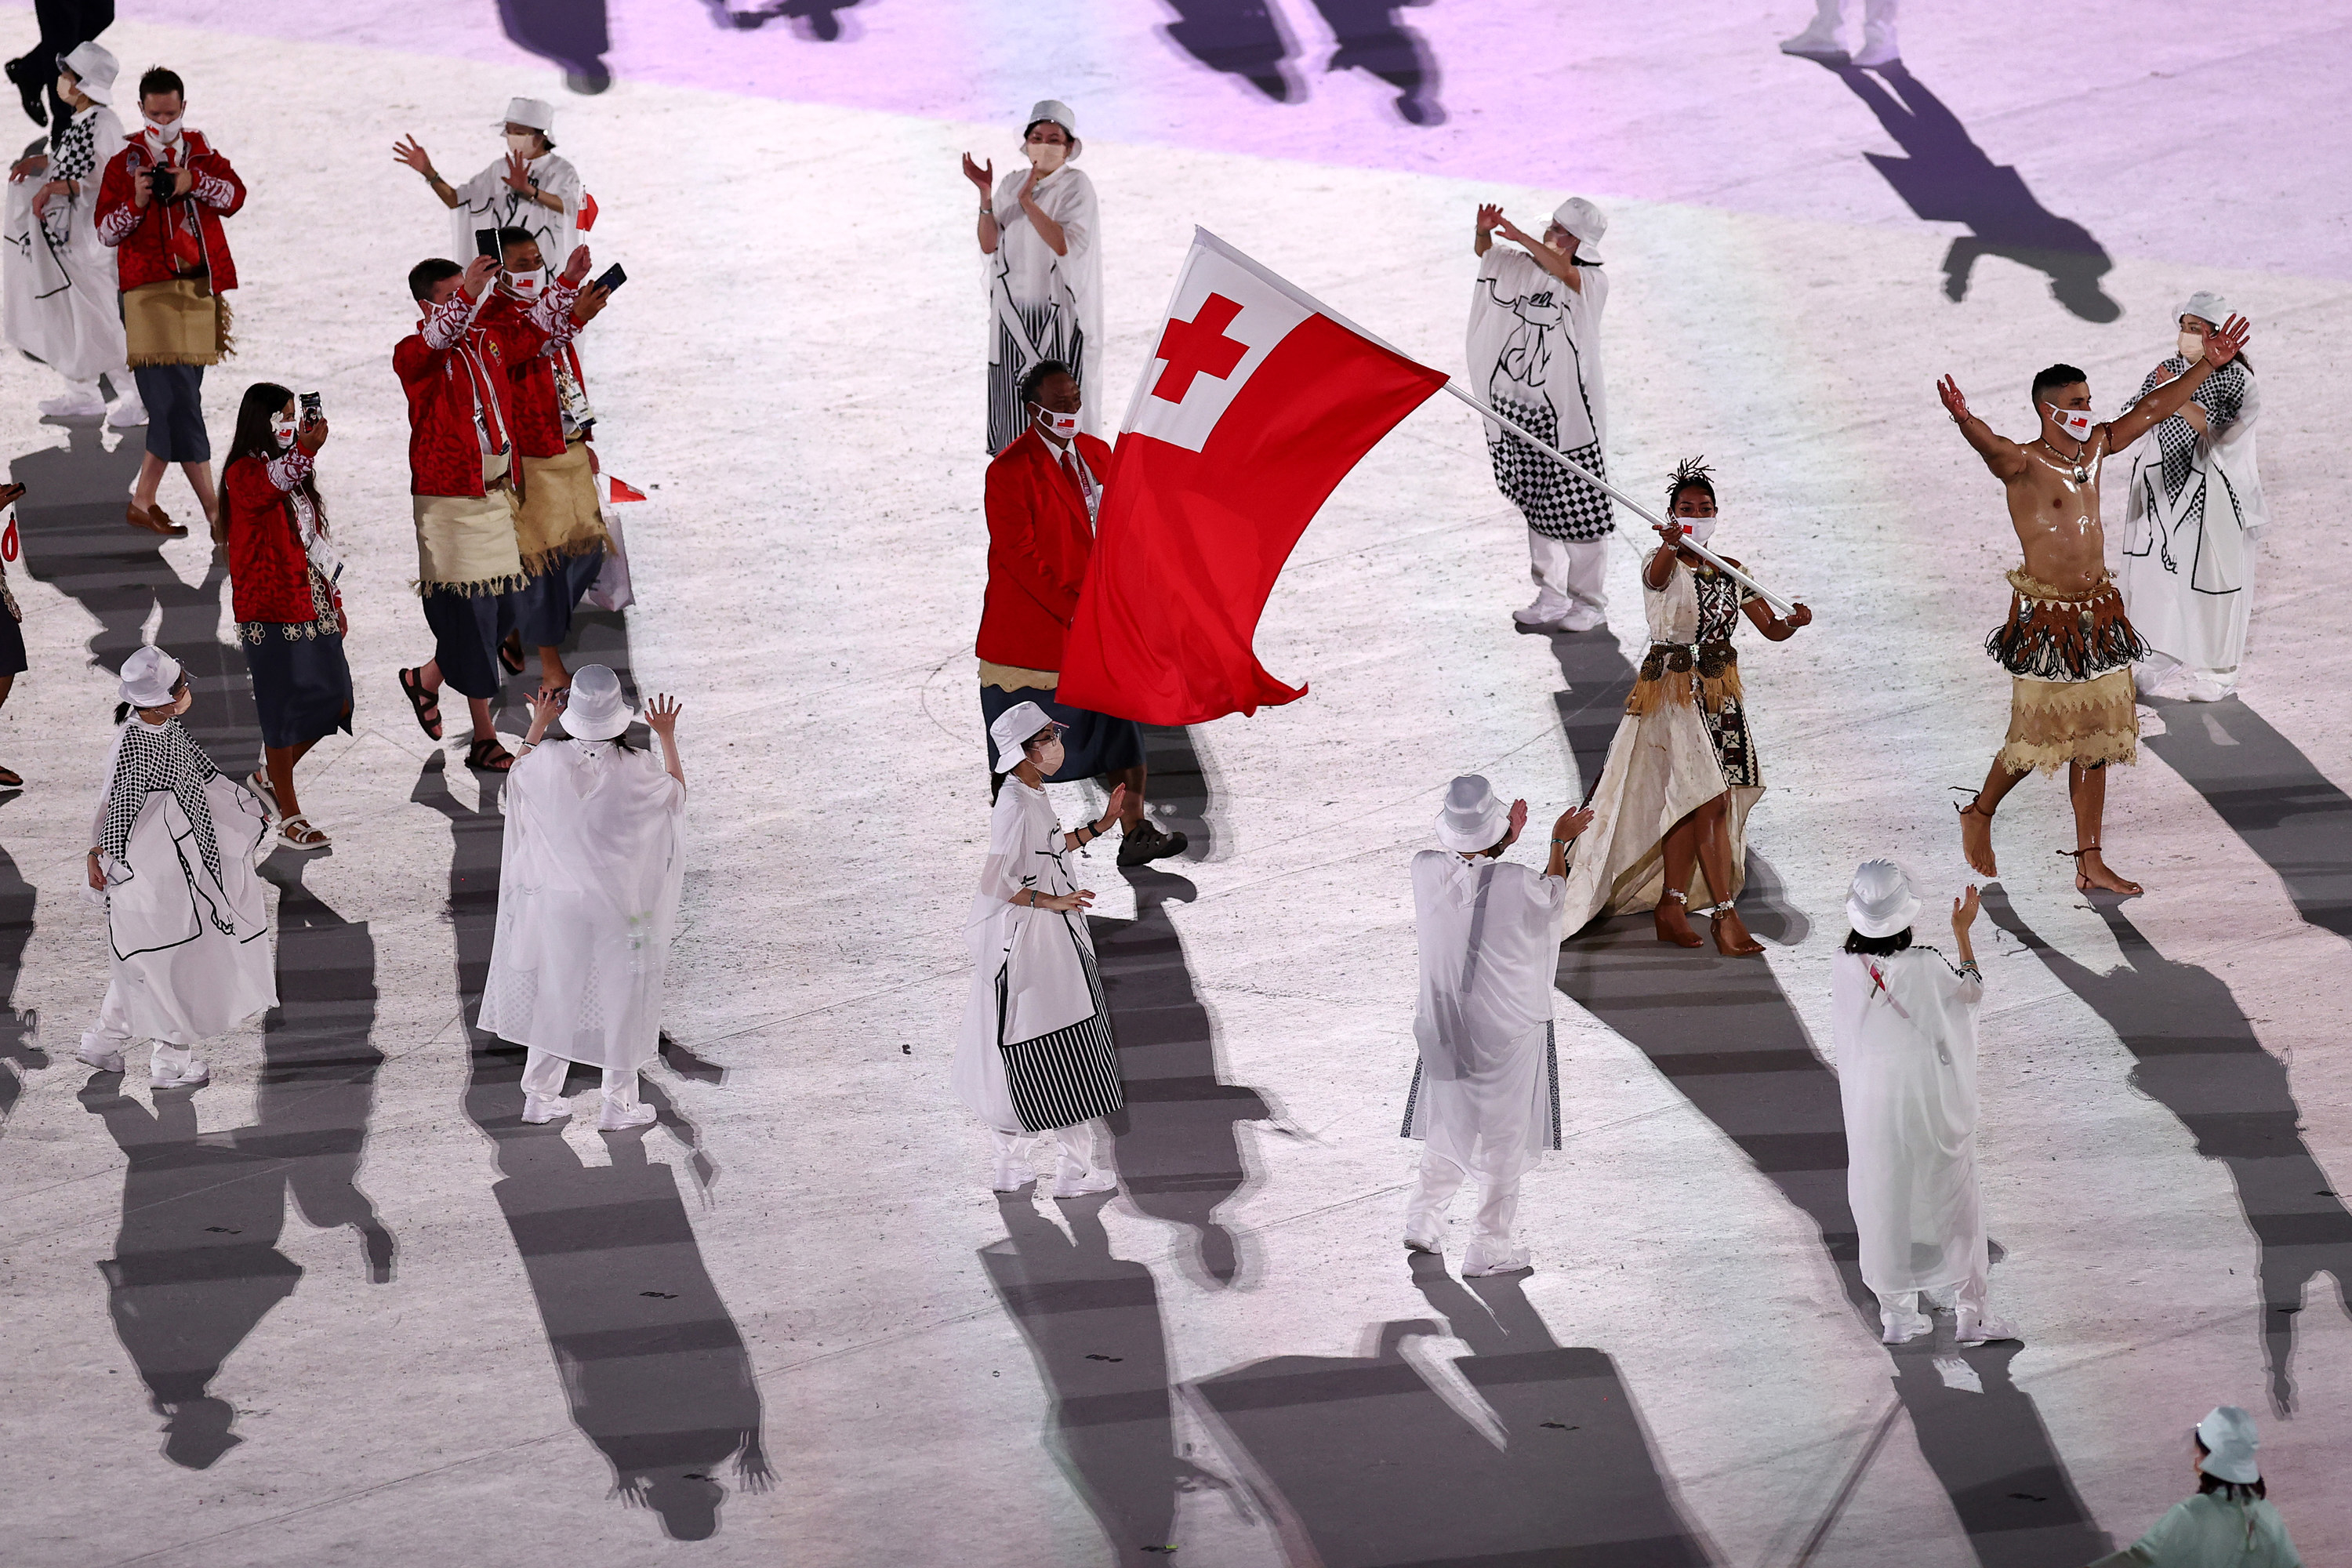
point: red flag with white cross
(1257, 402)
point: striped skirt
(1056, 335)
(1070, 1076)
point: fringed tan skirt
(178, 321)
(465, 545)
(2069, 655)
(559, 517)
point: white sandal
(258, 782)
(290, 832)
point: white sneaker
(1878, 50)
(1900, 1328)
(1486, 1257)
(1430, 1244)
(74, 405)
(1085, 1184)
(540, 1108)
(191, 1073)
(129, 413)
(103, 1060)
(1815, 43)
(1583, 618)
(621, 1117)
(1011, 1176)
(2202, 688)
(1976, 1326)
(1547, 610)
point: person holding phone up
(282, 569)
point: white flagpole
(1779, 604)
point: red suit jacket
(1038, 542)
(530, 375)
(161, 242)
(448, 366)
(269, 570)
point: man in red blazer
(1045, 490)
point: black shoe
(31, 87)
(1142, 844)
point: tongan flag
(1258, 402)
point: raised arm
(661, 718)
(2004, 457)
(2221, 346)
(1563, 268)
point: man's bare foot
(1674, 924)
(1731, 938)
(2092, 871)
(1976, 839)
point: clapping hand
(1964, 912)
(1572, 822)
(1112, 811)
(1490, 214)
(981, 174)
(1519, 820)
(2222, 342)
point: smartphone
(310, 415)
(613, 277)
(486, 243)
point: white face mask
(1699, 528)
(2077, 422)
(1049, 756)
(167, 134)
(529, 282)
(282, 429)
(2193, 346)
(1062, 426)
(66, 85)
(521, 142)
(1047, 156)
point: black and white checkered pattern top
(2222, 397)
(159, 757)
(75, 157)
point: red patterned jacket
(170, 239)
(1039, 538)
(452, 367)
(531, 390)
(269, 570)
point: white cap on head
(2228, 1434)
(148, 677)
(1585, 221)
(1054, 109)
(1880, 903)
(1013, 729)
(595, 711)
(1472, 819)
(95, 69)
(535, 113)
(2206, 306)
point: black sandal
(511, 653)
(426, 703)
(489, 757)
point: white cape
(1534, 339)
(1905, 1031)
(1041, 955)
(1486, 1096)
(1025, 276)
(588, 891)
(2187, 576)
(486, 201)
(182, 978)
(58, 299)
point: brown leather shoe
(152, 520)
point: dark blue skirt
(543, 605)
(1094, 745)
(301, 684)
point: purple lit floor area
(334, 1308)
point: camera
(163, 183)
(310, 415)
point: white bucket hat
(148, 677)
(94, 69)
(535, 113)
(1585, 221)
(1472, 819)
(1012, 732)
(1054, 109)
(2207, 306)
(597, 711)
(1880, 903)
(2228, 1434)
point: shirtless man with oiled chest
(2067, 645)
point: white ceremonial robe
(2187, 578)
(189, 955)
(1534, 339)
(1486, 1090)
(1035, 1052)
(588, 892)
(1662, 766)
(1039, 303)
(1904, 1028)
(59, 298)
(486, 201)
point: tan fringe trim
(2052, 723)
(468, 590)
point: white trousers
(1433, 1191)
(1875, 14)
(1087, 1147)
(1571, 569)
(111, 1034)
(544, 1073)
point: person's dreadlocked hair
(1690, 473)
